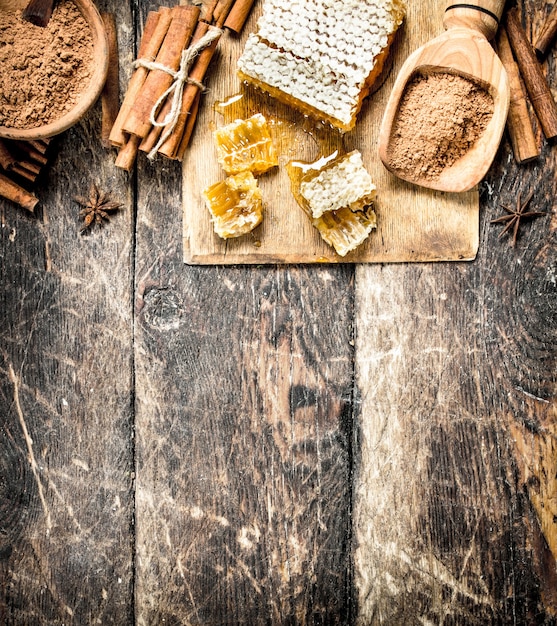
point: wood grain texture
(414, 224)
(240, 440)
(66, 469)
(440, 516)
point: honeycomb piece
(246, 145)
(235, 205)
(345, 229)
(337, 195)
(343, 182)
(321, 56)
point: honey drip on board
(289, 130)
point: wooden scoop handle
(480, 15)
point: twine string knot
(180, 78)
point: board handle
(480, 15)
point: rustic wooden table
(332, 444)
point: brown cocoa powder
(441, 115)
(43, 71)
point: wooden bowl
(90, 93)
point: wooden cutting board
(414, 224)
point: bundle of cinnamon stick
(20, 164)
(528, 83)
(160, 106)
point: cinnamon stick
(238, 15)
(7, 159)
(221, 12)
(30, 150)
(128, 153)
(149, 142)
(110, 91)
(154, 31)
(24, 172)
(172, 144)
(184, 19)
(533, 76)
(519, 125)
(208, 11)
(547, 34)
(34, 168)
(40, 145)
(21, 158)
(15, 193)
(176, 148)
(188, 130)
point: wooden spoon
(38, 12)
(463, 49)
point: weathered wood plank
(457, 368)
(66, 453)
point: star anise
(96, 208)
(515, 215)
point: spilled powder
(440, 117)
(43, 70)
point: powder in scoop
(43, 71)
(440, 117)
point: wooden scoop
(463, 49)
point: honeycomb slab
(321, 56)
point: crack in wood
(29, 443)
